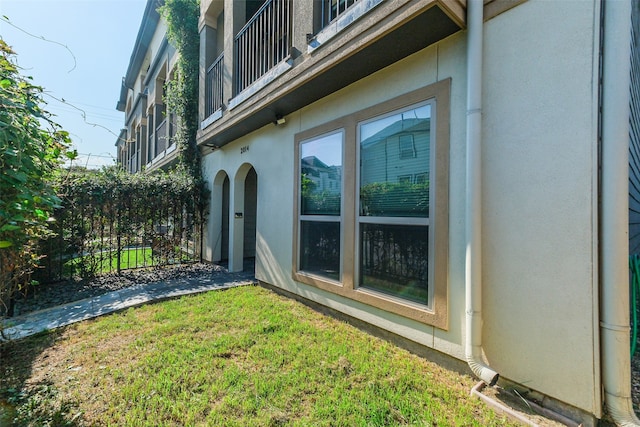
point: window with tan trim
(372, 205)
(321, 205)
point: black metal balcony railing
(263, 42)
(161, 137)
(213, 86)
(331, 9)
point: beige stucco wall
(540, 199)
(539, 195)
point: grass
(242, 357)
(108, 261)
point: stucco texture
(539, 199)
(539, 195)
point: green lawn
(107, 262)
(241, 357)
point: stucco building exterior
(145, 142)
(453, 172)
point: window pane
(320, 248)
(321, 175)
(394, 259)
(394, 164)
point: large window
(394, 211)
(372, 205)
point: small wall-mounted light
(213, 147)
(280, 121)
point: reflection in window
(394, 203)
(320, 205)
(421, 178)
(320, 248)
(321, 175)
(406, 146)
(384, 187)
(394, 260)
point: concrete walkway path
(32, 323)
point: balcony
(161, 137)
(262, 43)
(213, 87)
(162, 143)
(279, 68)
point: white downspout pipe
(473, 262)
(614, 249)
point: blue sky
(100, 35)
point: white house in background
(453, 172)
(146, 140)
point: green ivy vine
(182, 91)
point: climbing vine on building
(182, 89)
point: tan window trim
(438, 315)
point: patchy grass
(242, 357)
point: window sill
(407, 309)
(317, 281)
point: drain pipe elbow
(482, 371)
(473, 261)
(621, 411)
(473, 345)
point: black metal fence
(110, 233)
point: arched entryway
(250, 213)
(244, 214)
(225, 212)
(219, 218)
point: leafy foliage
(29, 155)
(182, 93)
(111, 220)
(395, 199)
(182, 90)
(32, 147)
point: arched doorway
(250, 213)
(224, 230)
(244, 213)
(219, 218)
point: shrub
(32, 147)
